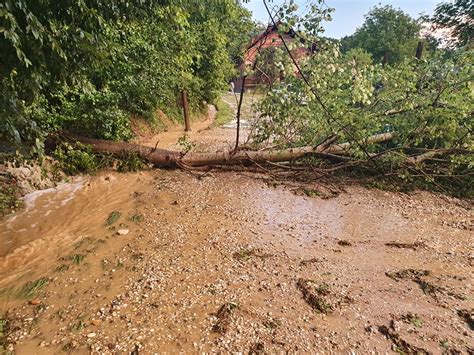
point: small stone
(91, 335)
(96, 322)
(35, 302)
(123, 231)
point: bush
(75, 160)
(131, 163)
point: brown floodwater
(54, 219)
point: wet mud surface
(217, 263)
(168, 261)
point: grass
(417, 322)
(113, 217)
(224, 113)
(62, 268)
(310, 192)
(77, 258)
(245, 254)
(80, 243)
(3, 324)
(223, 316)
(315, 295)
(30, 288)
(79, 325)
(413, 319)
(272, 324)
(4, 328)
(136, 218)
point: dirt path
(231, 263)
(205, 135)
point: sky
(349, 14)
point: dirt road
(164, 261)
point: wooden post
(419, 50)
(184, 99)
(385, 58)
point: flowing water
(195, 244)
(54, 219)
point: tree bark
(168, 158)
(430, 154)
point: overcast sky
(349, 13)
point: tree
(458, 17)
(88, 65)
(386, 33)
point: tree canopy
(88, 65)
(458, 17)
(387, 31)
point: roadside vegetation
(224, 112)
(89, 66)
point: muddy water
(204, 242)
(54, 219)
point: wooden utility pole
(184, 99)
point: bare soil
(170, 261)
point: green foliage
(429, 103)
(458, 17)
(87, 66)
(31, 288)
(185, 143)
(9, 194)
(77, 159)
(91, 113)
(272, 64)
(131, 162)
(359, 56)
(76, 258)
(386, 31)
(136, 218)
(224, 113)
(5, 325)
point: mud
(214, 263)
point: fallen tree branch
(418, 159)
(168, 158)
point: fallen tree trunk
(168, 158)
